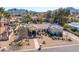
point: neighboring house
(77, 18)
(48, 20)
(35, 19)
(3, 31)
(72, 10)
(72, 17)
(15, 18)
(74, 26)
(55, 30)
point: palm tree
(1, 12)
(49, 14)
(4, 13)
(7, 16)
(40, 18)
(60, 15)
(22, 32)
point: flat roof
(74, 24)
(42, 26)
(39, 26)
(56, 26)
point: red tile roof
(2, 29)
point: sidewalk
(36, 43)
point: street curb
(47, 48)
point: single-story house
(15, 19)
(55, 30)
(3, 32)
(74, 26)
(33, 30)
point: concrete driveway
(72, 36)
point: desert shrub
(27, 40)
(69, 40)
(43, 42)
(27, 43)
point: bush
(69, 40)
(27, 43)
(19, 44)
(27, 40)
(43, 42)
(65, 26)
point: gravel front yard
(48, 42)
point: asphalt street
(60, 49)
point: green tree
(26, 18)
(40, 18)
(4, 14)
(65, 26)
(1, 12)
(7, 16)
(22, 30)
(60, 15)
(49, 14)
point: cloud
(39, 3)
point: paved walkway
(36, 43)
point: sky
(39, 5)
